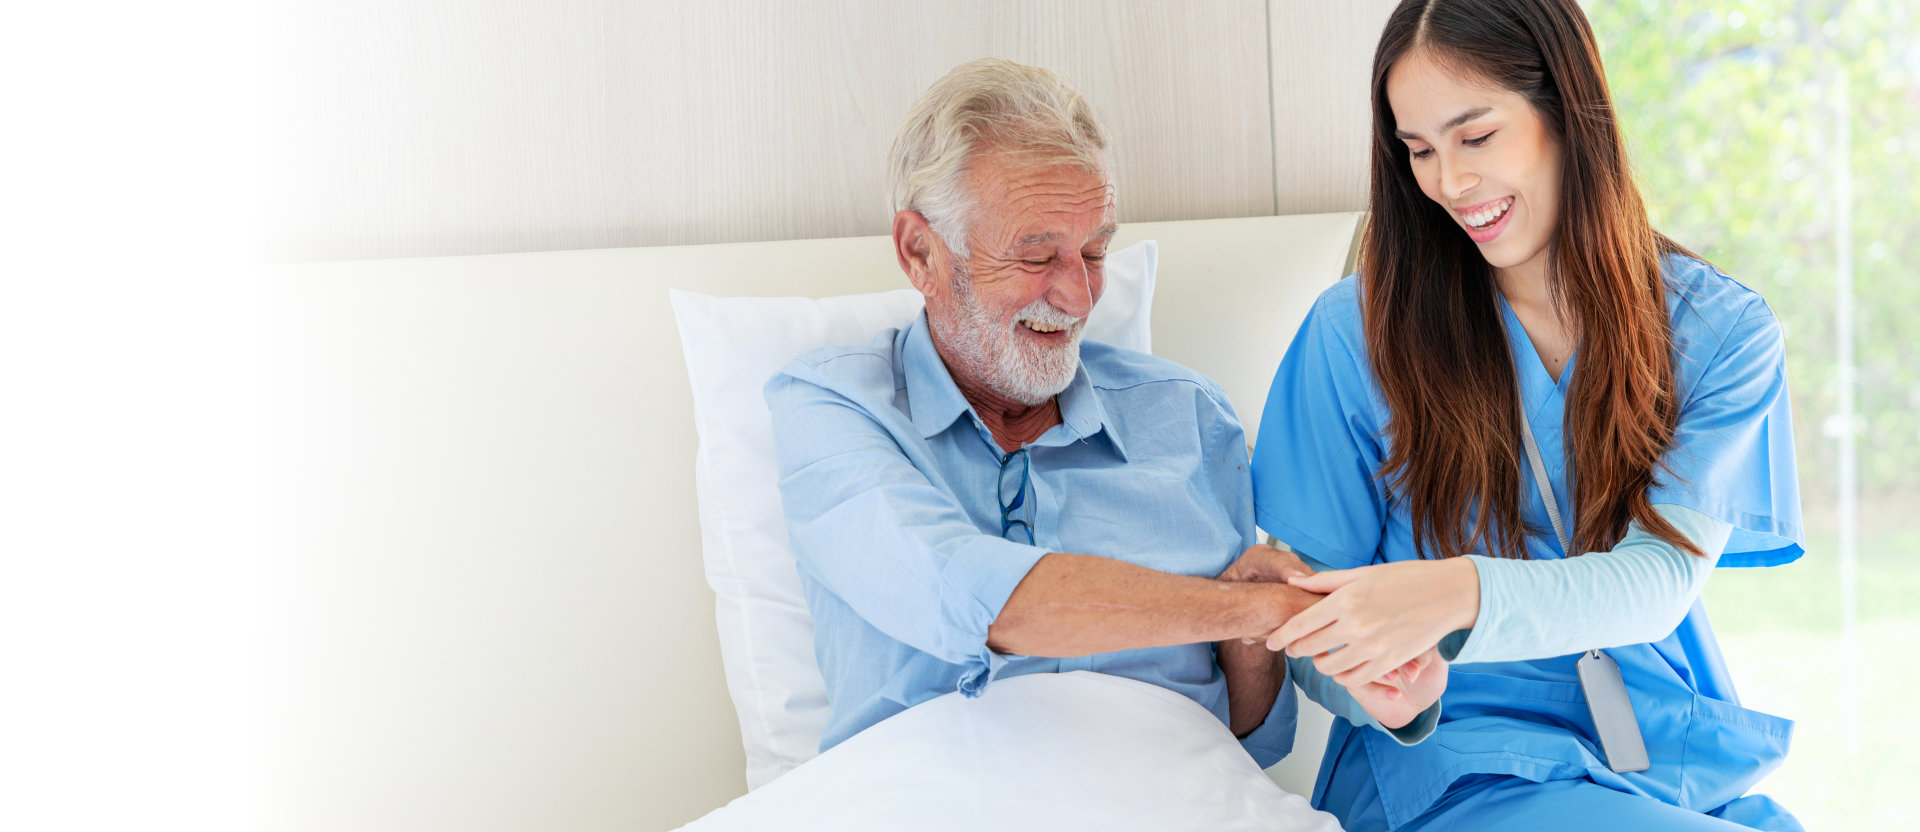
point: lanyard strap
(1539, 466)
(1540, 472)
(1615, 724)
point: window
(1781, 141)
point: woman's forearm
(1637, 592)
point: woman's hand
(1377, 618)
(1405, 691)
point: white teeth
(1047, 329)
(1486, 217)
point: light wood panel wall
(432, 127)
(1322, 73)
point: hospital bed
(488, 598)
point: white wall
(434, 127)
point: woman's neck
(1525, 288)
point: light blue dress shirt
(891, 486)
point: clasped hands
(1373, 630)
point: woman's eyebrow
(1456, 121)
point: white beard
(1007, 363)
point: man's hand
(1405, 691)
(1261, 563)
(1395, 699)
(1265, 564)
(1254, 673)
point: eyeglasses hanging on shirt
(1016, 514)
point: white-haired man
(982, 495)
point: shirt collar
(1083, 413)
(935, 402)
(932, 397)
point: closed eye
(1422, 153)
(1478, 140)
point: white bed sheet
(1046, 751)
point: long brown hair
(1433, 324)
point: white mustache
(1046, 314)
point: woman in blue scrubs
(1525, 433)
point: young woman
(1526, 432)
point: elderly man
(981, 495)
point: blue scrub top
(1322, 440)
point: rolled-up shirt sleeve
(870, 526)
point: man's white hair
(1011, 108)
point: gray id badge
(1612, 711)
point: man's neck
(1013, 423)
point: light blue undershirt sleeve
(1636, 593)
(1334, 697)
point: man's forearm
(1078, 605)
(1254, 678)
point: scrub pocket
(1494, 724)
(1728, 749)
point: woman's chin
(1503, 254)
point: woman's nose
(1456, 179)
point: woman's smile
(1487, 220)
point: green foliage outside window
(1730, 114)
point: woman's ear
(914, 245)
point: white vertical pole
(1849, 475)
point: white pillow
(733, 346)
(1077, 750)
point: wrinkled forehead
(1021, 197)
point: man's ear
(913, 245)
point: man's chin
(1039, 392)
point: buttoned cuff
(974, 587)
